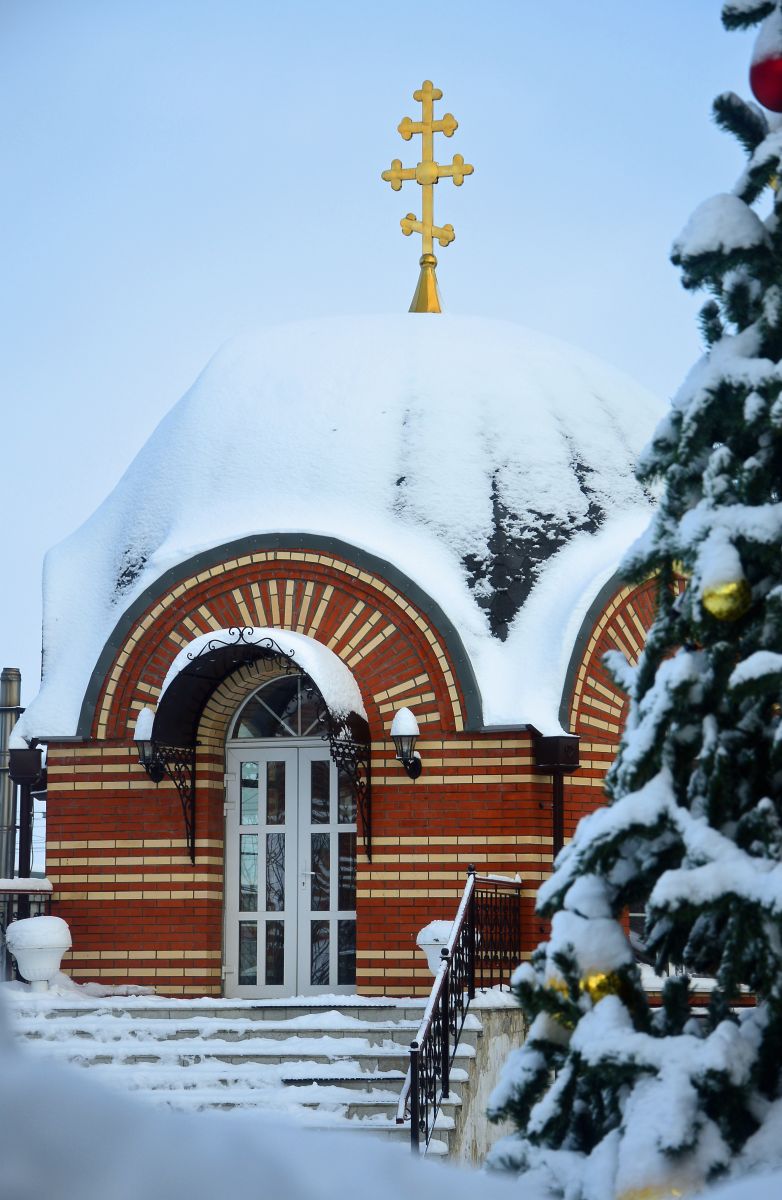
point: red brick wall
(140, 911)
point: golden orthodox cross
(427, 173)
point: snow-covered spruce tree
(612, 1097)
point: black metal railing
(497, 923)
(483, 949)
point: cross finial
(427, 173)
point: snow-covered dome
(491, 465)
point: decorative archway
(361, 606)
(170, 735)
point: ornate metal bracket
(352, 755)
(179, 763)
(243, 636)
(349, 746)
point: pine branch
(710, 324)
(745, 121)
(743, 14)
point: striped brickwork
(116, 850)
(479, 802)
(364, 620)
(597, 706)
(140, 911)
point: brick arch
(225, 702)
(620, 619)
(596, 706)
(395, 653)
(592, 705)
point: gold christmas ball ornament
(650, 1193)
(728, 601)
(557, 984)
(601, 984)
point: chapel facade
(281, 848)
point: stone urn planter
(430, 941)
(38, 944)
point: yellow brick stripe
(129, 844)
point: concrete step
(365, 1009)
(367, 1059)
(336, 1102)
(327, 1065)
(334, 1073)
(333, 1025)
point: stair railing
(483, 950)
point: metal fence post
(414, 1098)
(445, 1016)
(471, 939)
(25, 843)
(10, 709)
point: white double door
(290, 891)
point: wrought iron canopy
(179, 711)
(182, 704)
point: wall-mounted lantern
(148, 756)
(404, 732)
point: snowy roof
(491, 465)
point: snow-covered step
(367, 1009)
(330, 1025)
(366, 1058)
(325, 1066)
(353, 1106)
(459, 1076)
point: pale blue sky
(177, 170)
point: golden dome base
(427, 293)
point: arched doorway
(290, 888)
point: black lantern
(404, 732)
(148, 756)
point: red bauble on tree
(765, 74)
(765, 79)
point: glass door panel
(290, 901)
(327, 853)
(261, 851)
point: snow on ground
(409, 439)
(138, 996)
(61, 985)
(64, 1135)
